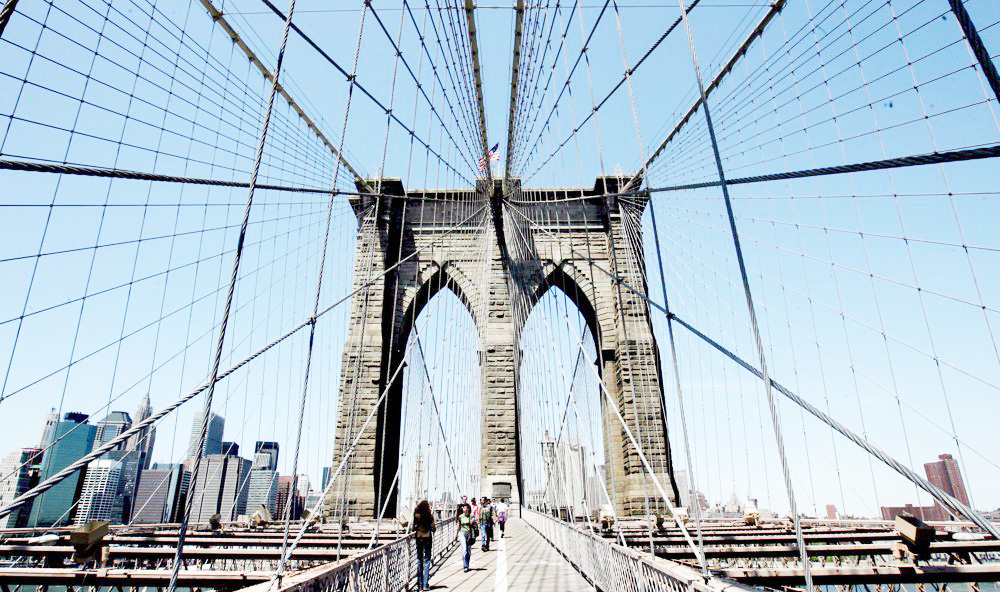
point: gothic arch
(432, 279)
(577, 286)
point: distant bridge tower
(575, 239)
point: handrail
(614, 568)
(390, 567)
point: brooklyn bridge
(693, 296)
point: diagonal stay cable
(947, 500)
(92, 171)
(219, 18)
(137, 427)
(349, 77)
(941, 496)
(744, 47)
(625, 76)
(217, 358)
(420, 88)
(569, 77)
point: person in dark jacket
(423, 527)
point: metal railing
(390, 567)
(614, 568)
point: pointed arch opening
(560, 412)
(433, 408)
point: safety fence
(390, 567)
(614, 568)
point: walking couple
(473, 518)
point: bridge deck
(522, 560)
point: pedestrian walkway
(520, 561)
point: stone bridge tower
(511, 247)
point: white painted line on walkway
(500, 584)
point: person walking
(474, 513)
(486, 519)
(423, 526)
(501, 516)
(465, 531)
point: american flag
(494, 155)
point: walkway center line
(500, 584)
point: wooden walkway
(520, 561)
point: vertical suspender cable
(319, 288)
(182, 529)
(800, 542)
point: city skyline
(126, 485)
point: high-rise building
(313, 500)
(158, 493)
(945, 474)
(99, 491)
(265, 456)
(302, 486)
(144, 439)
(50, 425)
(18, 473)
(219, 488)
(683, 488)
(72, 438)
(262, 490)
(111, 427)
(831, 512)
(151, 497)
(572, 476)
(286, 489)
(179, 486)
(131, 472)
(213, 438)
(551, 470)
(326, 476)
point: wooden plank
(896, 574)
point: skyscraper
(219, 488)
(17, 473)
(129, 475)
(111, 427)
(266, 456)
(945, 474)
(180, 484)
(72, 438)
(159, 491)
(263, 485)
(50, 425)
(262, 490)
(213, 438)
(99, 492)
(326, 475)
(302, 486)
(286, 490)
(144, 439)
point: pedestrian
(423, 526)
(486, 519)
(465, 531)
(501, 516)
(474, 513)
